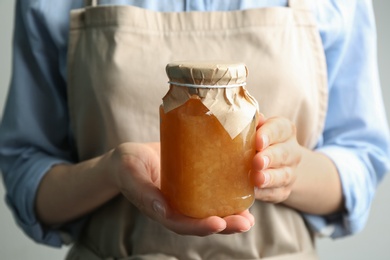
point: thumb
(260, 120)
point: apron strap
(298, 4)
(90, 3)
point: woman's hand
(135, 169)
(274, 165)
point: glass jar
(207, 126)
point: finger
(280, 155)
(260, 120)
(274, 195)
(274, 130)
(259, 163)
(249, 216)
(148, 198)
(275, 156)
(152, 203)
(274, 178)
(184, 225)
(236, 224)
(239, 223)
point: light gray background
(372, 243)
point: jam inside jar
(204, 171)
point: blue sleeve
(34, 132)
(356, 135)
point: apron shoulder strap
(298, 4)
(90, 3)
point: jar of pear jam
(207, 130)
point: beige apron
(116, 76)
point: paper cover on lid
(221, 88)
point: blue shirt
(35, 134)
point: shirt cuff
(358, 188)
(22, 186)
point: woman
(78, 150)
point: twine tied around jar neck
(206, 86)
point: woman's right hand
(134, 169)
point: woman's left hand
(278, 155)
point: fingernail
(265, 162)
(266, 180)
(265, 140)
(218, 230)
(159, 208)
(245, 230)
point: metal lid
(212, 74)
